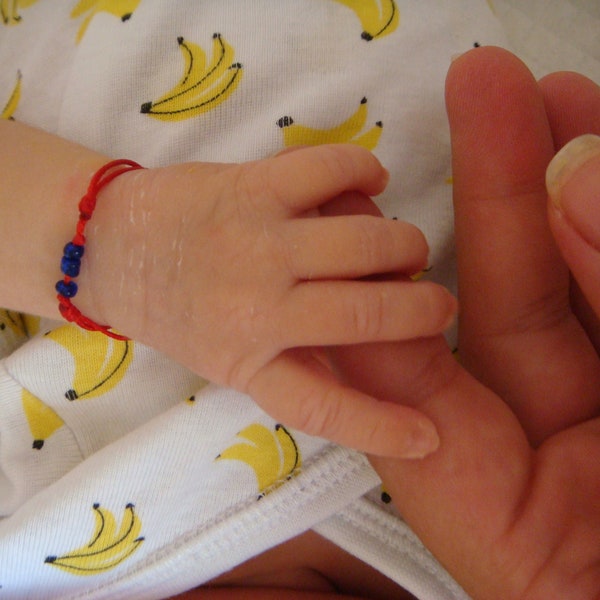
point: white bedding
(554, 35)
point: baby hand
(224, 268)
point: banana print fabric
(122, 475)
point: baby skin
(225, 268)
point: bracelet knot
(70, 264)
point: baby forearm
(43, 177)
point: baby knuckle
(368, 314)
(373, 431)
(373, 237)
(342, 162)
(433, 307)
(335, 160)
(252, 186)
(318, 414)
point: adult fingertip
(573, 184)
(472, 68)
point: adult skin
(510, 502)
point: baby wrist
(74, 250)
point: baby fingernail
(452, 310)
(423, 441)
(567, 162)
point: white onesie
(123, 475)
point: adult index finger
(517, 332)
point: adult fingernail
(570, 159)
(573, 182)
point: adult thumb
(573, 183)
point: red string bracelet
(74, 250)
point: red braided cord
(87, 205)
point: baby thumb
(573, 183)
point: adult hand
(510, 503)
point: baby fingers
(308, 177)
(353, 246)
(299, 391)
(351, 312)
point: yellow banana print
(9, 10)
(290, 452)
(107, 548)
(385, 497)
(32, 324)
(347, 132)
(191, 400)
(272, 454)
(418, 276)
(14, 321)
(20, 324)
(100, 361)
(377, 17)
(43, 421)
(202, 87)
(120, 8)
(13, 101)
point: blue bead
(73, 250)
(66, 289)
(70, 266)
